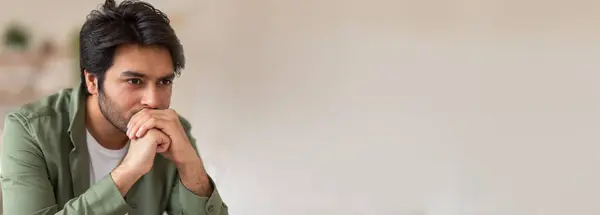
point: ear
(91, 82)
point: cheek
(165, 98)
(128, 99)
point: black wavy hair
(131, 22)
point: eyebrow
(132, 74)
(141, 75)
(168, 77)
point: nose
(150, 99)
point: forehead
(152, 61)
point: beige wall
(388, 107)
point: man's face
(140, 77)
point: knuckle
(152, 134)
(172, 113)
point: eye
(166, 82)
(134, 81)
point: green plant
(17, 37)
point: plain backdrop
(385, 107)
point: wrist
(192, 168)
(130, 171)
(187, 157)
(194, 178)
(124, 178)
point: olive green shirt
(46, 168)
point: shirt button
(211, 208)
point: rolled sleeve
(108, 195)
(184, 201)
(194, 204)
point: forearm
(194, 192)
(124, 178)
(102, 193)
(26, 197)
(194, 177)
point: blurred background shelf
(26, 76)
(11, 100)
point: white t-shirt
(102, 160)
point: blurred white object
(15, 79)
(56, 74)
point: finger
(143, 128)
(161, 114)
(132, 120)
(135, 124)
(139, 125)
(169, 118)
(160, 149)
(140, 117)
(163, 141)
(135, 116)
(171, 113)
(155, 121)
(163, 147)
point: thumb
(163, 142)
(163, 146)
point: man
(93, 149)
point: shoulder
(49, 115)
(55, 105)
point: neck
(100, 128)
